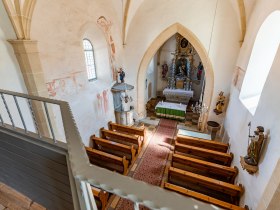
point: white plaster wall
(151, 78)
(267, 113)
(10, 74)
(11, 77)
(133, 8)
(249, 6)
(65, 24)
(224, 45)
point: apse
(176, 75)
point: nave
(190, 166)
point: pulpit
(122, 103)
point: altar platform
(178, 95)
(199, 135)
(171, 110)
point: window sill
(251, 103)
(91, 80)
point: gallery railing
(84, 173)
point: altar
(171, 110)
(178, 95)
(185, 76)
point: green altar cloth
(171, 110)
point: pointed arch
(156, 44)
(20, 14)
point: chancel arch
(156, 44)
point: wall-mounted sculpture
(164, 71)
(251, 160)
(220, 103)
(121, 75)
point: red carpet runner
(151, 167)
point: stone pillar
(27, 54)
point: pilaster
(27, 54)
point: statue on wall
(122, 75)
(220, 103)
(255, 143)
(199, 71)
(164, 71)
(255, 146)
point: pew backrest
(225, 173)
(99, 143)
(209, 155)
(202, 197)
(95, 156)
(124, 138)
(202, 143)
(210, 183)
(127, 129)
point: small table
(194, 134)
(171, 110)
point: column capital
(24, 46)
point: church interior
(138, 104)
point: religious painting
(69, 84)
(102, 103)
(184, 43)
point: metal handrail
(138, 192)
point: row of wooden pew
(201, 169)
(116, 149)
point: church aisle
(151, 166)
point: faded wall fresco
(68, 85)
(101, 104)
(106, 25)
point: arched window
(90, 62)
(262, 56)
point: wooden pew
(101, 197)
(128, 130)
(114, 148)
(106, 160)
(209, 155)
(121, 138)
(214, 186)
(202, 197)
(213, 170)
(202, 143)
